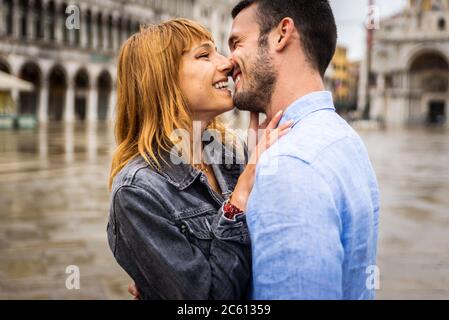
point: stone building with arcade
(409, 82)
(73, 71)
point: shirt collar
(312, 102)
(182, 175)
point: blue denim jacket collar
(306, 105)
(182, 175)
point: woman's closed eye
(204, 55)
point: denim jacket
(167, 230)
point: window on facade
(88, 27)
(100, 30)
(205, 12)
(8, 7)
(23, 19)
(388, 81)
(372, 79)
(38, 25)
(442, 24)
(110, 32)
(52, 20)
(65, 31)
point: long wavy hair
(150, 104)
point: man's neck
(288, 90)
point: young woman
(177, 228)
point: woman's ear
(284, 33)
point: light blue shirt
(314, 210)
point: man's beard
(260, 79)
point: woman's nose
(226, 65)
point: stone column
(69, 109)
(29, 17)
(2, 18)
(92, 105)
(59, 25)
(43, 103)
(83, 31)
(118, 35)
(104, 25)
(123, 32)
(94, 30)
(114, 38)
(45, 21)
(16, 29)
(380, 82)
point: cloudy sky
(351, 15)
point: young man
(313, 220)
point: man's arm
(295, 231)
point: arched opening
(441, 24)
(437, 112)
(81, 93)
(429, 61)
(28, 101)
(429, 83)
(4, 66)
(57, 93)
(104, 85)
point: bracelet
(230, 210)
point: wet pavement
(412, 167)
(54, 209)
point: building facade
(409, 78)
(73, 70)
(341, 78)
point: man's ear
(284, 33)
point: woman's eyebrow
(206, 46)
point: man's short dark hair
(313, 19)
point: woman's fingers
(133, 290)
(286, 125)
(274, 122)
(274, 135)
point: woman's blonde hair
(150, 104)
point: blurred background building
(73, 71)
(409, 73)
(342, 78)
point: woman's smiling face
(203, 79)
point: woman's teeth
(221, 85)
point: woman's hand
(267, 139)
